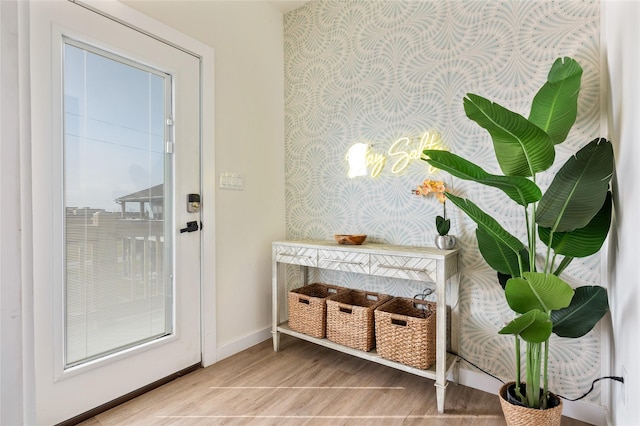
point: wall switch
(230, 180)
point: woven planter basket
(406, 332)
(308, 309)
(516, 415)
(350, 318)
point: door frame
(131, 18)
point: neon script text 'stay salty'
(404, 151)
(404, 156)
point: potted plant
(443, 240)
(570, 219)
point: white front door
(116, 153)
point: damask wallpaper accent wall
(374, 72)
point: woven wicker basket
(308, 310)
(350, 318)
(516, 415)
(406, 332)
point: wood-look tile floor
(303, 384)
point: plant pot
(445, 242)
(518, 415)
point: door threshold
(131, 395)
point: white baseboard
(243, 343)
(583, 411)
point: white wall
(620, 40)
(249, 134)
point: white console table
(411, 263)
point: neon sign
(402, 153)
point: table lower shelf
(371, 355)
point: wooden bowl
(350, 239)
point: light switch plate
(231, 180)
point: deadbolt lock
(193, 203)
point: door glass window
(117, 186)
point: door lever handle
(191, 227)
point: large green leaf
(519, 189)
(578, 190)
(588, 306)
(533, 326)
(536, 290)
(585, 241)
(521, 147)
(555, 106)
(499, 256)
(489, 224)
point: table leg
(276, 278)
(440, 394)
